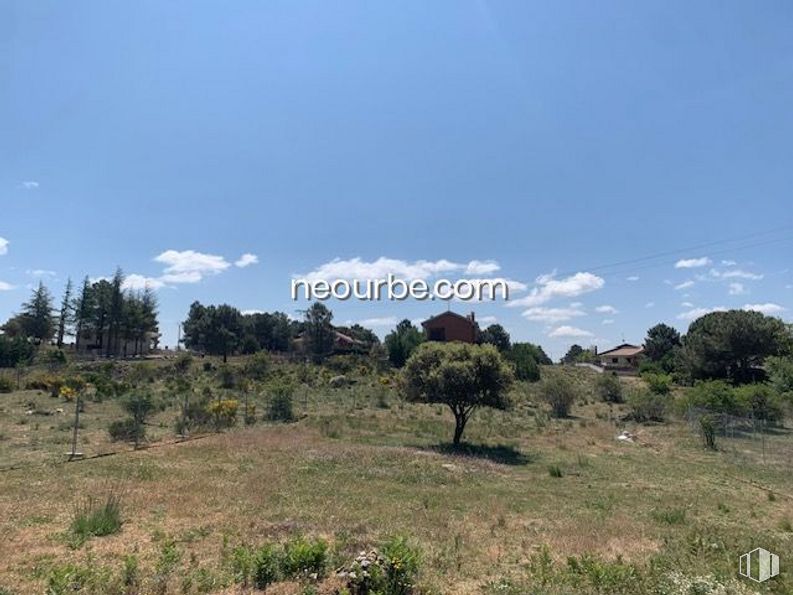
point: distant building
(450, 326)
(622, 357)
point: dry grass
(354, 472)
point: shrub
(223, 412)
(714, 395)
(560, 393)
(659, 384)
(707, 429)
(126, 430)
(647, 406)
(402, 563)
(95, 519)
(265, 567)
(280, 407)
(6, 385)
(303, 558)
(522, 356)
(760, 401)
(228, 376)
(609, 388)
(258, 366)
(555, 471)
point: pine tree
(66, 316)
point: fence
(746, 440)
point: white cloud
(606, 309)
(3, 246)
(649, 305)
(737, 289)
(548, 288)
(137, 282)
(29, 185)
(767, 309)
(632, 278)
(189, 266)
(6, 286)
(246, 259)
(569, 331)
(40, 273)
(551, 315)
(356, 268)
(684, 285)
(608, 321)
(510, 283)
(253, 311)
(695, 313)
(482, 267)
(687, 305)
(729, 263)
(736, 274)
(384, 321)
(692, 263)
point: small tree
(496, 335)
(460, 376)
(401, 342)
(609, 388)
(560, 393)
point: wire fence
(744, 440)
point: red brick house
(451, 326)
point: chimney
(472, 317)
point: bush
(609, 388)
(659, 384)
(647, 406)
(265, 567)
(94, 519)
(303, 558)
(280, 407)
(258, 366)
(228, 376)
(760, 401)
(714, 395)
(707, 429)
(522, 356)
(223, 412)
(391, 571)
(6, 384)
(560, 393)
(126, 430)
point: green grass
(94, 518)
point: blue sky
(173, 138)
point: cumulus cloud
(252, 311)
(695, 313)
(687, 305)
(692, 263)
(548, 287)
(569, 332)
(3, 246)
(482, 267)
(729, 263)
(6, 286)
(29, 185)
(684, 285)
(632, 278)
(189, 266)
(737, 289)
(551, 315)
(136, 282)
(606, 309)
(246, 260)
(768, 309)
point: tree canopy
(460, 376)
(401, 342)
(497, 336)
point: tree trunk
(460, 419)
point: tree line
(102, 316)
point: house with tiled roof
(622, 357)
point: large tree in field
(83, 309)
(496, 335)
(37, 318)
(318, 330)
(401, 342)
(733, 344)
(460, 376)
(661, 342)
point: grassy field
(533, 505)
